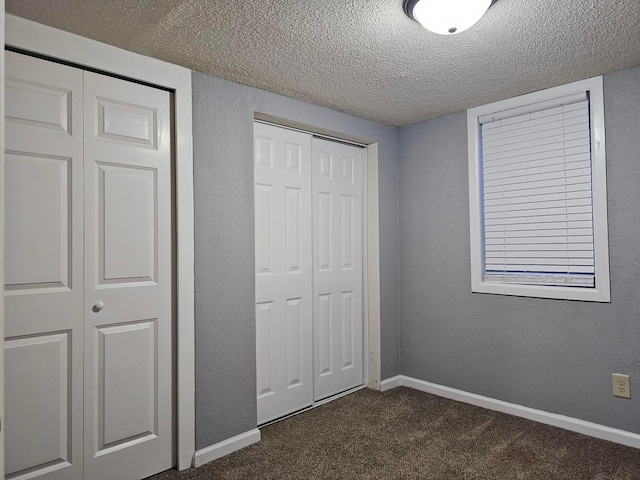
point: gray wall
(224, 244)
(552, 355)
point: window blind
(537, 194)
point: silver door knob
(98, 306)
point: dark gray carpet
(407, 434)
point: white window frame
(601, 292)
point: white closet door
(128, 292)
(43, 270)
(337, 267)
(283, 271)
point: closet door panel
(282, 197)
(128, 280)
(337, 267)
(43, 272)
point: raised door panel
(38, 382)
(41, 186)
(128, 282)
(127, 123)
(265, 349)
(127, 229)
(348, 323)
(324, 236)
(43, 273)
(346, 232)
(264, 229)
(293, 229)
(264, 151)
(337, 276)
(324, 336)
(127, 382)
(282, 197)
(295, 343)
(37, 105)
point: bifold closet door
(88, 372)
(43, 270)
(338, 323)
(282, 197)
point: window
(537, 195)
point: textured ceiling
(364, 57)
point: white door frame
(2, 242)
(371, 240)
(56, 44)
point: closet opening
(310, 198)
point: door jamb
(374, 363)
(57, 44)
(2, 419)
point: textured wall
(552, 355)
(224, 245)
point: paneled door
(127, 279)
(337, 267)
(283, 271)
(43, 269)
(308, 229)
(88, 277)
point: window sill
(543, 291)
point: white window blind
(537, 194)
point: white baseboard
(225, 447)
(568, 423)
(389, 383)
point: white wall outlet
(621, 385)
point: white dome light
(446, 17)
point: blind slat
(557, 149)
(507, 144)
(575, 239)
(534, 199)
(557, 232)
(538, 219)
(539, 190)
(536, 156)
(541, 205)
(539, 247)
(569, 183)
(541, 212)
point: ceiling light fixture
(446, 17)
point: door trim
(2, 245)
(371, 239)
(42, 40)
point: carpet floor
(407, 434)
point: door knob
(98, 306)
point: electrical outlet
(621, 385)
